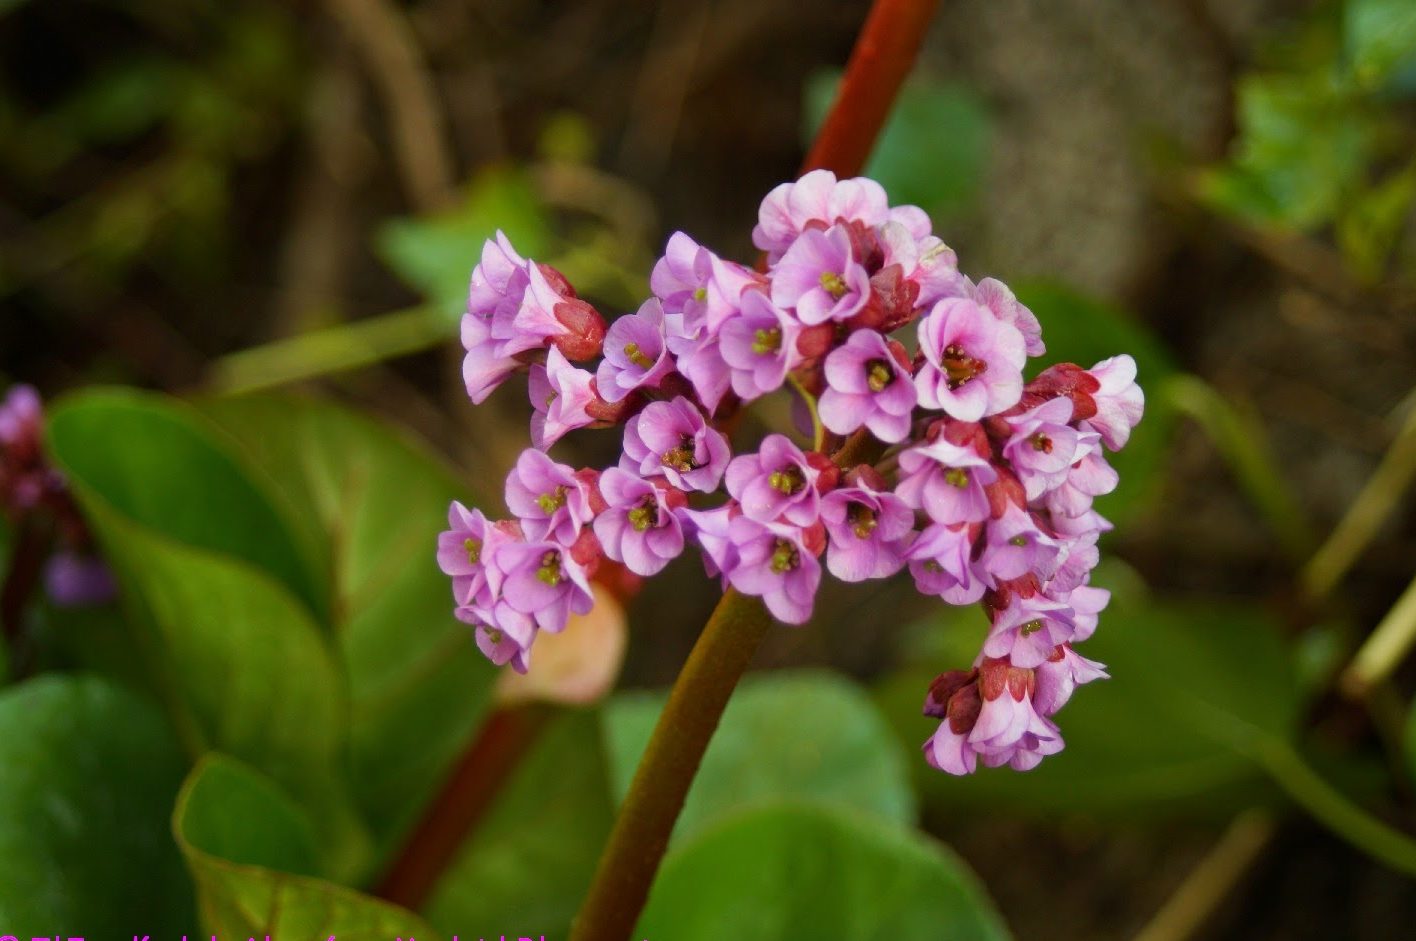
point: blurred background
(217, 197)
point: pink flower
(544, 582)
(947, 481)
(819, 277)
(1016, 546)
(551, 500)
(973, 361)
(996, 296)
(867, 529)
(560, 394)
(709, 529)
(1063, 672)
(1028, 629)
(817, 197)
(700, 360)
(778, 482)
(639, 527)
(1044, 446)
(1119, 402)
(636, 353)
(503, 634)
(774, 563)
(672, 440)
(868, 383)
(464, 550)
(940, 561)
(759, 346)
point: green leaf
(807, 735)
(529, 863)
(1370, 225)
(1410, 742)
(1083, 330)
(436, 255)
(370, 505)
(238, 659)
(933, 149)
(792, 871)
(249, 849)
(1380, 38)
(1161, 734)
(153, 461)
(88, 772)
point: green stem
(818, 431)
(1330, 807)
(656, 795)
(1385, 648)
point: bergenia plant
(930, 449)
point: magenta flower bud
(544, 582)
(820, 278)
(639, 527)
(778, 482)
(940, 561)
(867, 529)
(636, 353)
(1119, 402)
(868, 383)
(77, 580)
(775, 563)
(672, 440)
(560, 396)
(759, 346)
(949, 482)
(972, 361)
(584, 334)
(550, 499)
(1043, 446)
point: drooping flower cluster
(930, 451)
(33, 494)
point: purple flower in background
(1028, 630)
(1119, 402)
(867, 528)
(671, 439)
(25, 475)
(1044, 446)
(868, 385)
(560, 394)
(639, 526)
(940, 561)
(973, 361)
(75, 580)
(998, 298)
(549, 499)
(778, 482)
(759, 346)
(636, 353)
(820, 278)
(947, 481)
(543, 582)
(774, 563)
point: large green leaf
(806, 735)
(1082, 330)
(238, 658)
(370, 505)
(529, 862)
(436, 254)
(88, 773)
(933, 149)
(1380, 38)
(790, 871)
(251, 852)
(1188, 683)
(153, 461)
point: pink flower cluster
(976, 481)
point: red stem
(884, 54)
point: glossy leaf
(251, 852)
(806, 735)
(792, 871)
(528, 864)
(370, 504)
(88, 773)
